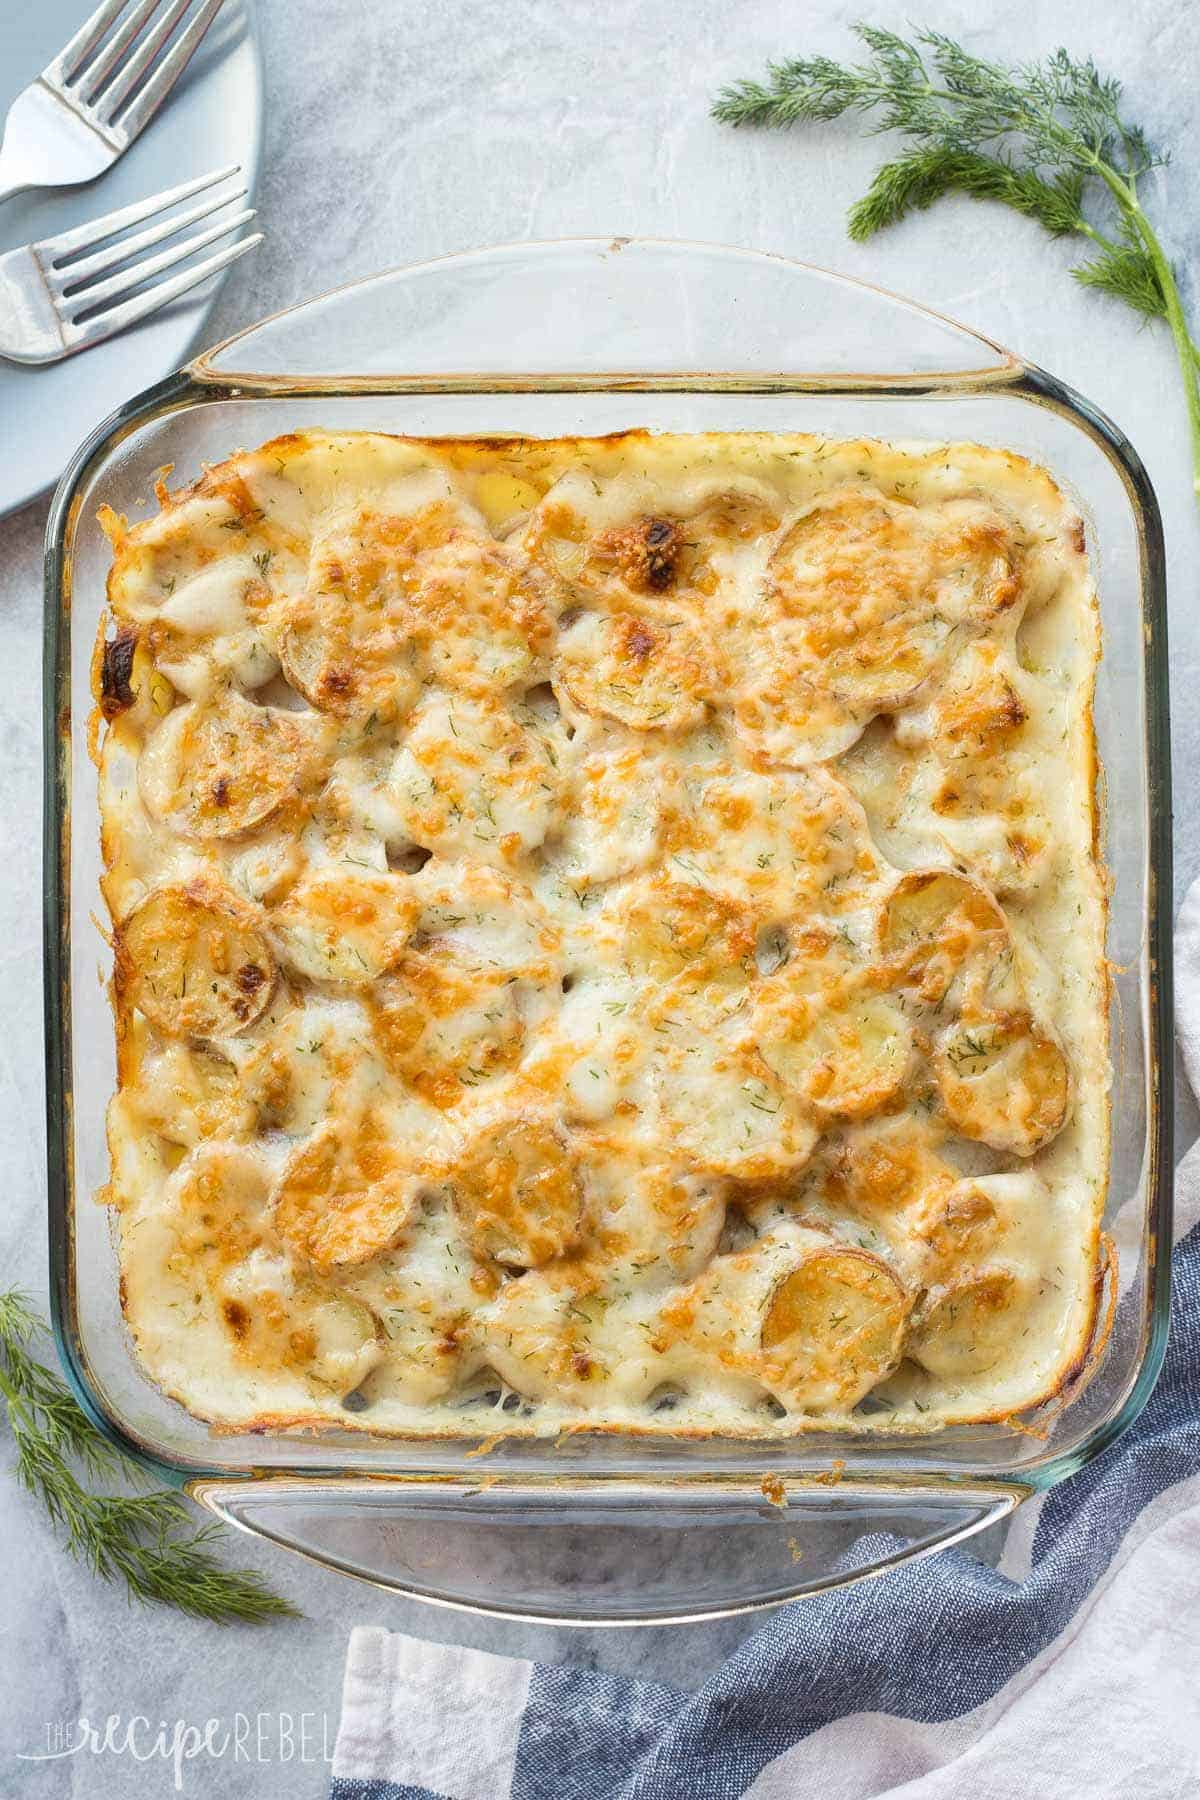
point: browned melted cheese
(606, 933)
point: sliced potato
(195, 960)
(517, 1192)
(652, 1223)
(938, 929)
(930, 904)
(343, 925)
(187, 1092)
(125, 680)
(593, 538)
(267, 867)
(205, 629)
(427, 1295)
(274, 1315)
(471, 781)
(651, 671)
(1004, 1080)
(687, 935)
(1011, 848)
(341, 475)
(815, 1322)
(505, 499)
(793, 840)
(345, 664)
(544, 1336)
(348, 640)
(476, 623)
(316, 1060)
(782, 715)
(445, 1026)
(955, 1225)
(220, 1194)
(613, 823)
(832, 1329)
(732, 529)
(882, 1180)
(881, 589)
(556, 1334)
(846, 1053)
(216, 1206)
(347, 1343)
(967, 1324)
(724, 1110)
(345, 1196)
(221, 768)
(980, 788)
(202, 629)
(863, 600)
(892, 1164)
(277, 1320)
(342, 641)
(590, 539)
(484, 920)
(537, 1347)
(990, 1243)
(555, 543)
(588, 1056)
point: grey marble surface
(401, 132)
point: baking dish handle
(616, 1553)
(585, 313)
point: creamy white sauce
(550, 877)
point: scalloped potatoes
(607, 932)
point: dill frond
(1124, 272)
(1048, 139)
(812, 88)
(147, 1539)
(913, 182)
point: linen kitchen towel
(1067, 1671)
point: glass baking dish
(589, 336)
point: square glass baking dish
(588, 336)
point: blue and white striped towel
(945, 1680)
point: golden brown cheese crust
(607, 933)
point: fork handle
(16, 172)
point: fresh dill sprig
(147, 1540)
(1048, 139)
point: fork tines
(76, 264)
(118, 78)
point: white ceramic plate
(213, 117)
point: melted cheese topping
(607, 932)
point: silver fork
(88, 104)
(56, 298)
